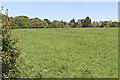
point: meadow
(69, 53)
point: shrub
(10, 53)
(91, 25)
(37, 25)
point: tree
(34, 23)
(45, 24)
(96, 24)
(37, 25)
(48, 21)
(79, 23)
(75, 24)
(106, 24)
(20, 22)
(57, 24)
(32, 20)
(61, 25)
(114, 24)
(82, 21)
(24, 17)
(66, 25)
(86, 22)
(72, 23)
(100, 23)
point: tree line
(20, 22)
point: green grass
(70, 53)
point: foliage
(48, 21)
(86, 22)
(114, 24)
(44, 23)
(20, 22)
(79, 23)
(32, 20)
(96, 24)
(10, 53)
(72, 23)
(91, 25)
(57, 24)
(66, 25)
(37, 25)
(106, 24)
(25, 22)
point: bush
(91, 25)
(37, 25)
(10, 53)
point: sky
(60, 0)
(64, 10)
(119, 11)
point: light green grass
(70, 53)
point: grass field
(70, 53)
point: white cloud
(60, 0)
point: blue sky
(60, 0)
(64, 10)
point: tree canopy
(26, 22)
